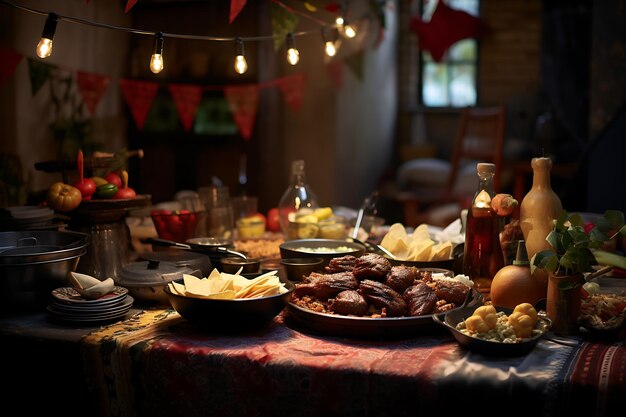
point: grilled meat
(349, 302)
(420, 299)
(341, 264)
(401, 277)
(326, 285)
(371, 266)
(383, 296)
(452, 292)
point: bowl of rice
(326, 249)
(500, 341)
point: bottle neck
(485, 182)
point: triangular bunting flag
(355, 63)
(446, 27)
(283, 22)
(335, 72)
(139, 96)
(39, 73)
(292, 88)
(9, 60)
(186, 98)
(129, 5)
(243, 102)
(92, 87)
(236, 6)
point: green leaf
(576, 220)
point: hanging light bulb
(329, 42)
(156, 62)
(44, 47)
(241, 66)
(293, 55)
(348, 30)
(339, 20)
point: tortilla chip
(441, 251)
(420, 250)
(396, 232)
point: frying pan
(209, 246)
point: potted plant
(569, 259)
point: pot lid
(153, 272)
(181, 258)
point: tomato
(63, 197)
(272, 221)
(114, 178)
(106, 191)
(87, 187)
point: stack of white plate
(66, 304)
(27, 218)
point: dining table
(154, 363)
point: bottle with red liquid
(482, 257)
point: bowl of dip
(326, 249)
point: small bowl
(442, 264)
(450, 319)
(230, 316)
(297, 268)
(231, 265)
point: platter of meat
(368, 297)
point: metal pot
(33, 263)
(189, 259)
(146, 280)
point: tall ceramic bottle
(538, 210)
(482, 257)
(297, 197)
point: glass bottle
(297, 197)
(482, 257)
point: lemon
(309, 218)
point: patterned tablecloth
(157, 364)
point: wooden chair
(479, 138)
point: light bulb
(44, 47)
(293, 55)
(339, 20)
(330, 48)
(241, 66)
(349, 31)
(156, 61)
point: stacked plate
(27, 218)
(66, 304)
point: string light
(293, 55)
(241, 66)
(156, 61)
(329, 42)
(44, 47)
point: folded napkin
(89, 287)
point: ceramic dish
(450, 319)
(311, 248)
(368, 327)
(230, 316)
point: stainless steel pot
(33, 263)
(146, 280)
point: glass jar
(482, 257)
(298, 197)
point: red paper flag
(243, 102)
(236, 6)
(10, 59)
(92, 87)
(335, 72)
(292, 88)
(139, 96)
(446, 27)
(186, 98)
(129, 5)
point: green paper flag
(355, 63)
(283, 22)
(39, 73)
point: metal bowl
(33, 263)
(297, 268)
(326, 249)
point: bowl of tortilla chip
(230, 303)
(416, 249)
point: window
(452, 81)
